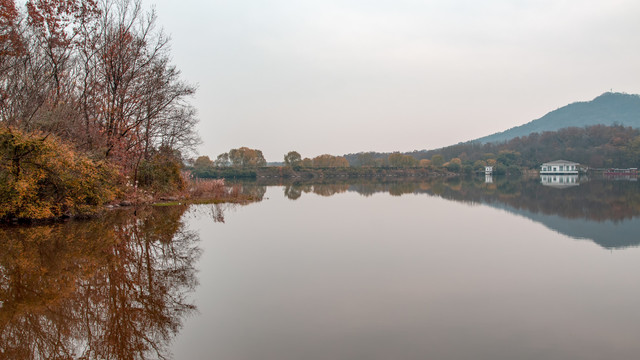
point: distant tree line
(597, 146)
(243, 161)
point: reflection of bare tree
(292, 192)
(256, 192)
(213, 211)
(115, 288)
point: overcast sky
(338, 77)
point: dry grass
(213, 190)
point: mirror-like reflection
(595, 200)
(445, 272)
(601, 210)
(560, 181)
(120, 287)
(112, 288)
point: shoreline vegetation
(93, 115)
(44, 178)
(92, 111)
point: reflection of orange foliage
(117, 284)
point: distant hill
(607, 109)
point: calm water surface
(403, 270)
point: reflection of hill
(112, 288)
(606, 212)
(608, 234)
(592, 200)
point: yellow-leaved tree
(41, 177)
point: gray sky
(336, 77)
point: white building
(488, 170)
(559, 167)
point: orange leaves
(329, 161)
(96, 75)
(246, 157)
(42, 178)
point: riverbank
(285, 172)
(195, 191)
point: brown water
(411, 270)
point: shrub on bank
(40, 177)
(161, 173)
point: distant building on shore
(560, 167)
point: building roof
(561, 162)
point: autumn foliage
(97, 76)
(161, 173)
(329, 161)
(41, 177)
(597, 146)
(243, 157)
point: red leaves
(97, 75)
(57, 20)
(10, 43)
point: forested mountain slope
(606, 109)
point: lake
(444, 269)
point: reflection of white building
(559, 167)
(488, 179)
(559, 181)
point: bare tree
(97, 74)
